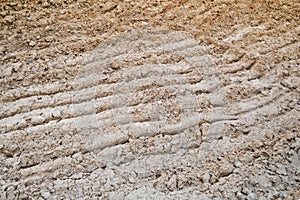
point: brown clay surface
(149, 99)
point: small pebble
(36, 120)
(251, 196)
(45, 194)
(32, 43)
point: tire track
(71, 107)
(158, 49)
(137, 78)
(136, 100)
(64, 98)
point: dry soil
(149, 99)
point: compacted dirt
(149, 99)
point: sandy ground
(149, 99)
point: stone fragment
(16, 66)
(45, 4)
(56, 113)
(45, 194)
(251, 196)
(78, 156)
(226, 169)
(206, 178)
(32, 43)
(9, 19)
(240, 196)
(36, 120)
